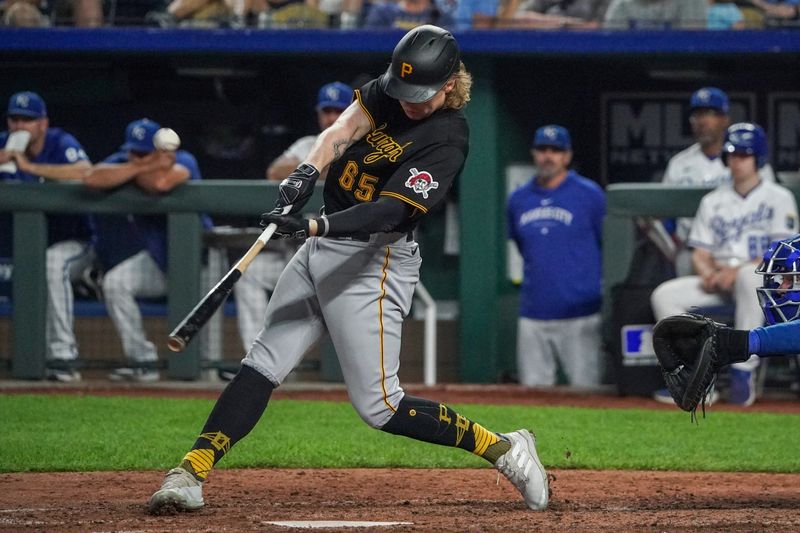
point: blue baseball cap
(554, 136)
(26, 104)
(710, 98)
(139, 136)
(336, 95)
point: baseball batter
(393, 154)
(734, 226)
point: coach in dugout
(34, 152)
(556, 221)
(142, 274)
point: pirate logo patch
(421, 182)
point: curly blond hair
(459, 96)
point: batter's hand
(289, 227)
(296, 189)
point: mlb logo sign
(637, 345)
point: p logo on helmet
(422, 62)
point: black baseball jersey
(414, 161)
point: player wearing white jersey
(701, 165)
(734, 226)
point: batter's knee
(376, 410)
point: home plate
(319, 524)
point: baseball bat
(197, 318)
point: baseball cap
(336, 95)
(26, 104)
(710, 98)
(139, 136)
(554, 136)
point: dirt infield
(425, 500)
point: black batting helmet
(422, 62)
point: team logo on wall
(421, 182)
(784, 130)
(642, 131)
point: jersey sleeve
(70, 150)
(116, 158)
(511, 220)
(701, 235)
(185, 159)
(784, 223)
(670, 177)
(423, 181)
(372, 99)
(599, 214)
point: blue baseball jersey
(141, 232)
(558, 232)
(60, 148)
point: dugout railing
(29, 204)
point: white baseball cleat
(521, 466)
(181, 491)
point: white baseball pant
(574, 342)
(682, 294)
(137, 276)
(66, 260)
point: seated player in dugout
(393, 154)
(34, 152)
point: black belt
(365, 237)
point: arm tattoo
(339, 147)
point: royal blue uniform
(558, 232)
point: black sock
(433, 422)
(236, 412)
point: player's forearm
(162, 181)
(703, 263)
(329, 146)
(108, 176)
(351, 126)
(69, 172)
(382, 216)
(779, 339)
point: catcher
(692, 348)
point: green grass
(85, 433)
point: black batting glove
(289, 227)
(295, 190)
